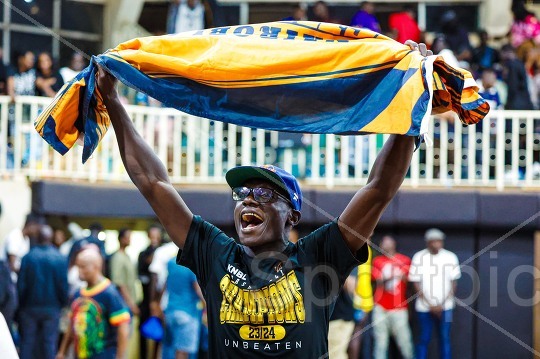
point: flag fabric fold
(287, 76)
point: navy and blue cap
(237, 176)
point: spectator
(525, 30)
(8, 294)
(440, 47)
(434, 272)
(403, 25)
(76, 65)
(365, 17)
(321, 13)
(159, 272)
(21, 80)
(48, 81)
(182, 313)
(515, 77)
(155, 233)
(99, 317)
(59, 238)
(17, 242)
(488, 90)
(3, 74)
(43, 291)
(484, 56)
(390, 315)
(298, 14)
(456, 37)
(341, 325)
(76, 233)
(123, 271)
(189, 15)
(93, 238)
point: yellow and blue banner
(301, 76)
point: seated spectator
(76, 65)
(48, 81)
(21, 79)
(488, 90)
(365, 17)
(403, 25)
(484, 56)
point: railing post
(499, 151)
(330, 171)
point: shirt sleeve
(118, 310)
(456, 272)
(414, 272)
(204, 245)
(327, 246)
(118, 273)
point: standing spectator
(17, 242)
(182, 313)
(321, 13)
(525, 30)
(123, 271)
(189, 15)
(21, 79)
(484, 56)
(8, 292)
(341, 325)
(48, 81)
(298, 14)
(43, 291)
(457, 37)
(390, 315)
(403, 25)
(76, 65)
(515, 77)
(155, 233)
(365, 17)
(99, 317)
(59, 238)
(159, 273)
(434, 272)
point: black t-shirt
(276, 307)
(344, 307)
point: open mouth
(250, 220)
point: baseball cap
(237, 176)
(434, 234)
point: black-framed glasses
(260, 194)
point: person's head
(388, 245)
(192, 3)
(90, 264)
(299, 13)
(45, 235)
(489, 78)
(124, 237)
(44, 62)
(155, 234)
(25, 60)
(95, 229)
(268, 205)
(33, 225)
(439, 44)
(59, 237)
(507, 52)
(320, 10)
(434, 240)
(410, 9)
(520, 11)
(367, 6)
(77, 62)
(483, 36)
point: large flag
(287, 76)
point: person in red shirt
(390, 315)
(404, 26)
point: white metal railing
(503, 151)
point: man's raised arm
(144, 167)
(361, 215)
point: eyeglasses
(260, 194)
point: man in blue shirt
(43, 291)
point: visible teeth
(246, 216)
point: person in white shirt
(159, 273)
(434, 272)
